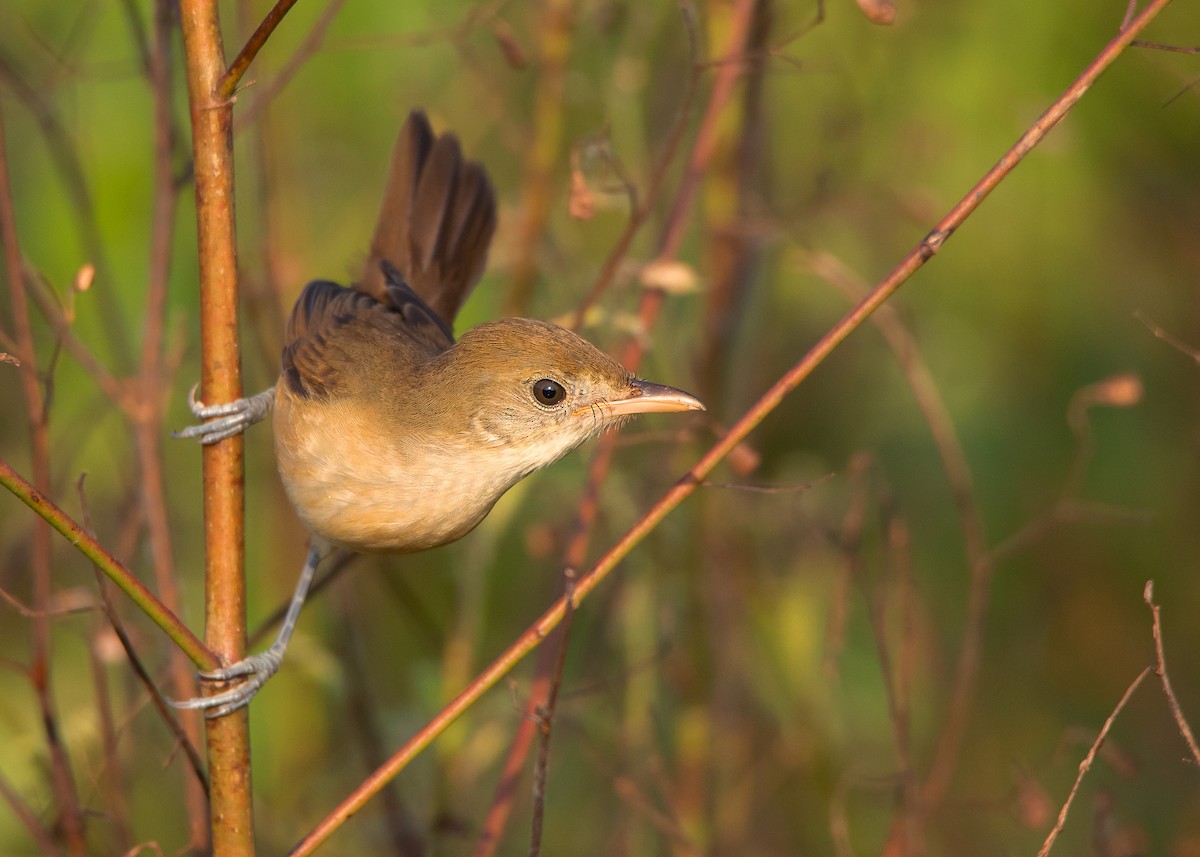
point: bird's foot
(227, 419)
(257, 669)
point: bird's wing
(336, 335)
(436, 221)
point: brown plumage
(436, 221)
(392, 437)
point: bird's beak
(647, 398)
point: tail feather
(436, 221)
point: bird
(390, 435)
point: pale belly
(372, 518)
(382, 495)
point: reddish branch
(543, 690)
(110, 565)
(980, 561)
(1160, 668)
(37, 413)
(543, 149)
(312, 42)
(1088, 760)
(250, 50)
(148, 416)
(918, 256)
(220, 378)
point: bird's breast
(378, 489)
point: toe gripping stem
(227, 419)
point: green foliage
(727, 690)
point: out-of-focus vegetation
(727, 691)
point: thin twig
(25, 814)
(1190, 50)
(1086, 764)
(69, 165)
(333, 566)
(765, 489)
(639, 216)
(68, 604)
(261, 287)
(50, 306)
(1160, 667)
(545, 722)
(37, 417)
(906, 830)
(733, 244)
(1176, 343)
(250, 50)
(267, 93)
(980, 562)
(849, 540)
(554, 45)
(1130, 10)
(148, 417)
(363, 728)
(125, 579)
(575, 553)
(1066, 510)
(768, 402)
(165, 712)
(501, 805)
(116, 789)
(632, 795)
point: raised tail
(436, 222)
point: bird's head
(537, 390)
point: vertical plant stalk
(220, 380)
(980, 561)
(704, 771)
(62, 151)
(554, 48)
(641, 212)
(575, 554)
(545, 721)
(148, 419)
(62, 780)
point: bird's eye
(548, 392)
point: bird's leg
(227, 419)
(256, 668)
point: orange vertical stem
(220, 379)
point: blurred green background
(726, 691)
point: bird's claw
(257, 670)
(226, 419)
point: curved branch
(125, 580)
(770, 400)
(250, 50)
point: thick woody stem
(220, 379)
